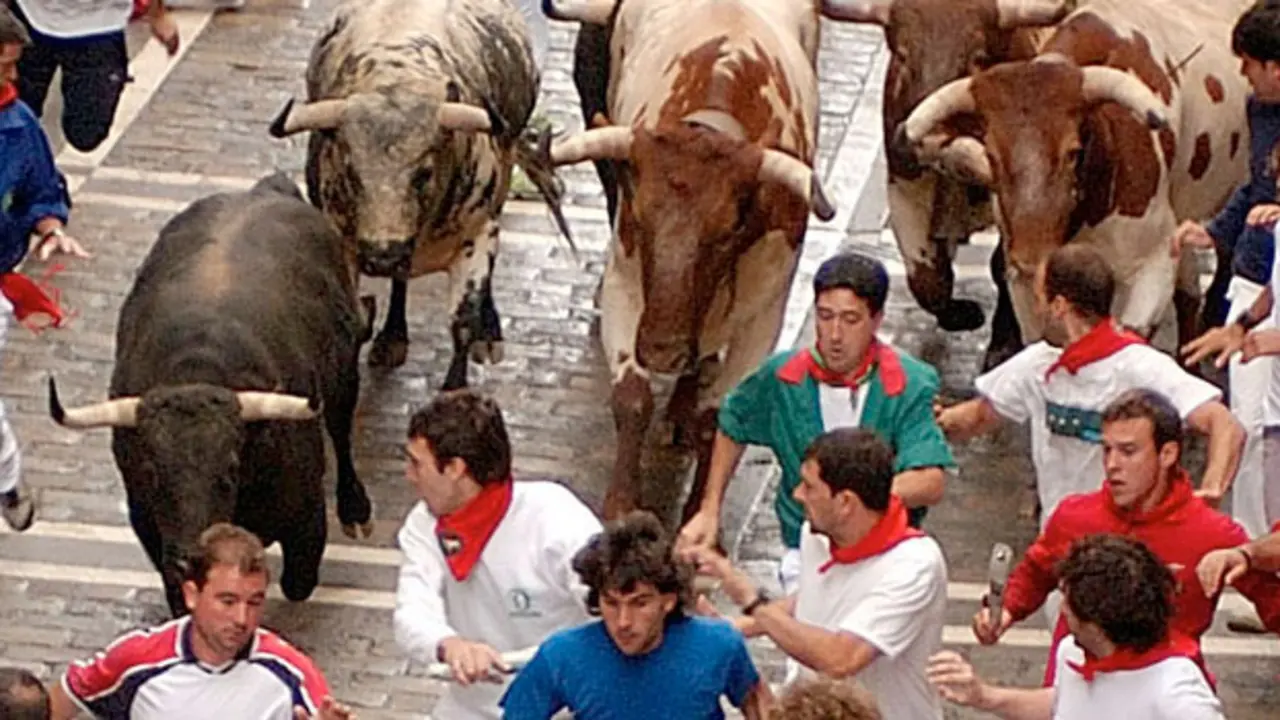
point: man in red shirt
(1147, 496)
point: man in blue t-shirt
(645, 658)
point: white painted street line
(383, 600)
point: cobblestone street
(78, 577)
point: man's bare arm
(968, 419)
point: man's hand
(62, 244)
(165, 30)
(1211, 496)
(702, 530)
(1263, 215)
(955, 680)
(710, 563)
(1190, 234)
(985, 631)
(330, 709)
(1221, 568)
(1224, 341)
(1260, 343)
(472, 661)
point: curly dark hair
(1118, 584)
(825, 699)
(464, 424)
(632, 550)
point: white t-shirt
(896, 601)
(1271, 408)
(1172, 689)
(76, 18)
(521, 590)
(1066, 411)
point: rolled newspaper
(516, 660)
(997, 576)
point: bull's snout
(382, 259)
(665, 356)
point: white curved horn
(120, 412)
(799, 178)
(255, 405)
(602, 143)
(858, 11)
(318, 115)
(1031, 13)
(1104, 84)
(953, 98)
(596, 12)
(463, 117)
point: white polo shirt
(1172, 689)
(896, 601)
(76, 18)
(522, 589)
(1065, 412)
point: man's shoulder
(572, 642)
(920, 374)
(18, 117)
(1080, 512)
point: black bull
(241, 292)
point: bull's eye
(421, 179)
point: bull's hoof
(961, 316)
(358, 531)
(486, 351)
(388, 353)
(298, 590)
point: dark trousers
(94, 71)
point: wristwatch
(762, 598)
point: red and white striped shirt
(154, 674)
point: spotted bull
(416, 110)
(931, 43)
(1129, 120)
(710, 126)
(243, 298)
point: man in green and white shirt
(849, 379)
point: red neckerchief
(884, 536)
(879, 356)
(8, 93)
(464, 533)
(1176, 498)
(1103, 341)
(30, 297)
(1175, 645)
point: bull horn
(255, 405)
(597, 12)
(966, 158)
(318, 115)
(1104, 84)
(951, 99)
(463, 117)
(858, 11)
(717, 120)
(799, 178)
(120, 412)
(606, 143)
(1031, 13)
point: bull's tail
(533, 155)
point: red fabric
(1103, 341)
(891, 530)
(8, 93)
(1181, 530)
(101, 676)
(879, 356)
(140, 8)
(30, 297)
(464, 532)
(1175, 645)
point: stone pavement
(78, 578)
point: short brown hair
(466, 425)
(857, 460)
(226, 544)
(12, 32)
(634, 549)
(1118, 584)
(825, 699)
(22, 696)
(1082, 276)
(1143, 404)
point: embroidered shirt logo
(450, 545)
(520, 603)
(1074, 422)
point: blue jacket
(30, 186)
(1251, 249)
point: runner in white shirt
(873, 591)
(1061, 384)
(1115, 587)
(214, 664)
(487, 561)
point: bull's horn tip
(55, 405)
(277, 126)
(1156, 120)
(822, 206)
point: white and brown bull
(416, 110)
(1129, 120)
(711, 125)
(931, 43)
